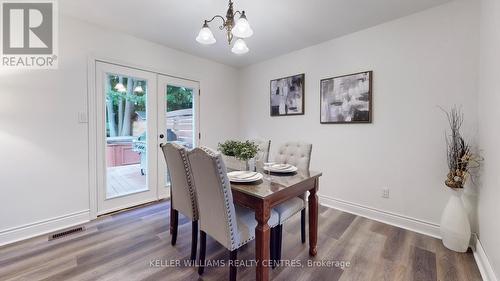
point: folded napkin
(242, 175)
(281, 166)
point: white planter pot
(455, 225)
(234, 163)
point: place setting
(244, 176)
(277, 168)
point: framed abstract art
(287, 95)
(346, 99)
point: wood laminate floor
(124, 246)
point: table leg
(171, 214)
(313, 219)
(262, 237)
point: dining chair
(183, 193)
(231, 225)
(299, 155)
(263, 153)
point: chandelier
(240, 29)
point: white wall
(419, 62)
(489, 116)
(43, 148)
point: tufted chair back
(183, 190)
(295, 153)
(215, 199)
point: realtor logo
(29, 34)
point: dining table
(271, 190)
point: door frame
(92, 110)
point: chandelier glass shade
(206, 37)
(242, 28)
(120, 88)
(239, 47)
(138, 89)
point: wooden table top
(271, 184)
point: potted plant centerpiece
(239, 155)
(455, 225)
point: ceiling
(280, 26)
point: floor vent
(67, 232)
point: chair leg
(233, 270)
(194, 239)
(174, 220)
(279, 239)
(303, 226)
(203, 248)
(272, 247)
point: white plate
(277, 168)
(244, 176)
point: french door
(137, 111)
(179, 122)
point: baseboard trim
(31, 230)
(413, 224)
(482, 261)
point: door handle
(161, 136)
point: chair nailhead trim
(192, 193)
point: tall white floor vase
(455, 225)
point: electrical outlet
(385, 193)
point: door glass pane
(179, 117)
(126, 155)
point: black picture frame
(289, 101)
(347, 99)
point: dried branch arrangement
(460, 158)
